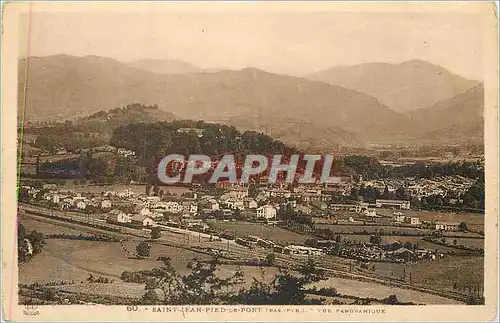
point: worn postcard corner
(257, 161)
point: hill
(305, 135)
(62, 87)
(91, 131)
(165, 66)
(132, 113)
(457, 119)
(66, 87)
(411, 85)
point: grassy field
(474, 221)
(75, 260)
(443, 273)
(117, 288)
(422, 244)
(365, 289)
(276, 234)
(440, 274)
(47, 228)
(339, 228)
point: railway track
(190, 240)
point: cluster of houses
(144, 211)
(423, 187)
(254, 241)
(307, 199)
(393, 251)
(69, 200)
(400, 218)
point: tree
(155, 233)
(376, 239)
(37, 240)
(401, 193)
(151, 297)
(354, 194)
(270, 259)
(462, 226)
(156, 189)
(253, 190)
(310, 242)
(285, 289)
(362, 190)
(143, 250)
(408, 245)
(201, 286)
(48, 294)
(238, 215)
(386, 195)
(391, 300)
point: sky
(294, 42)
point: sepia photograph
(238, 161)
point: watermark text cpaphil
(304, 169)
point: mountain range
(457, 119)
(403, 87)
(298, 111)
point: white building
(403, 205)
(238, 192)
(81, 205)
(413, 220)
(125, 152)
(142, 220)
(399, 218)
(118, 216)
(213, 204)
(279, 193)
(250, 203)
(174, 207)
(346, 207)
(303, 250)
(446, 226)
(56, 198)
(190, 207)
(370, 213)
(106, 204)
(266, 211)
(126, 193)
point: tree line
(29, 244)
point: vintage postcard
(249, 161)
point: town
(300, 157)
(197, 209)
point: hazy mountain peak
(251, 69)
(416, 62)
(64, 87)
(407, 86)
(165, 66)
